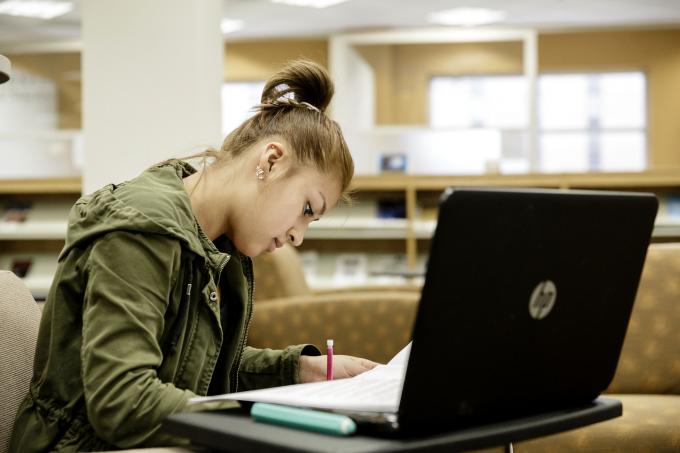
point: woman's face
(287, 200)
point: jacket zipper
(251, 291)
(219, 275)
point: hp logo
(542, 299)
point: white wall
(152, 72)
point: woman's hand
(313, 368)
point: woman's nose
(296, 236)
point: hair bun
(304, 81)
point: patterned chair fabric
(650, 424)
(19, 322)
(650, 358)
(371, 325)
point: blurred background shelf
(651, 179)
(40, 186)
(14, 231)
(34, 217)
(666, 228)
(358, 229)
(36, 270)
(346, 230)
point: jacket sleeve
(263, 368)
(128, 290)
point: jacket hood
(155, 202)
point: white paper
(402, 356)
(377, 390)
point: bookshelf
(392, 245)
(33, 224)
(67, 186)
(420, 195)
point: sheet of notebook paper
(377, 390)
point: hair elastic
(283, 100)
(310, 106)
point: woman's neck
(206, 192)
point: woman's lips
(274, 244)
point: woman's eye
(308, 212)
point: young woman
(152, 298)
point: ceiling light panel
(310, 3)
(230, 25)
(467, 17)
(37, 9)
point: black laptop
(525, 305)
(526, 302)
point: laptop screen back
(526, 302)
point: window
(465, 102)
(585, 122)
(238, 100)
(494, 104)
(592, 122)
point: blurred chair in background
(19, 322)
(366, 321)
(280, 274)
(369, 324)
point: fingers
(313, 369)
(364, 363)
(368, 364)
(358, 365)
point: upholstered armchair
(367, 321)
(373, 325)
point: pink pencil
(329, 360)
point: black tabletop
(236, 431)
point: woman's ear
(273, 155)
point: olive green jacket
(134, 326)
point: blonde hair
(292, 106)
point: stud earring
(259, 172)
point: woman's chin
(248, 249)
(252, 252)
